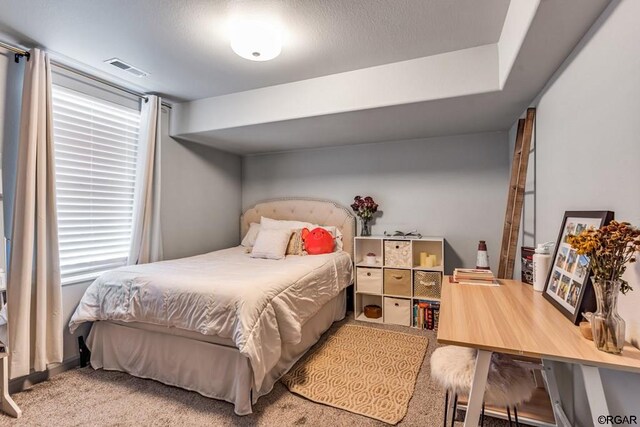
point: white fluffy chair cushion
(508, 384)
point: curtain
(34, 295)
(146, 242)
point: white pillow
(271, 244)
(279, 224)
(250, 238)
(268, 223)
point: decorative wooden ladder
(515, 197)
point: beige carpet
(84, 397)
(367, 371)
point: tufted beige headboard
(315, 211)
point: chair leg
(455, 409)
(446, 407)
(515, 415)
(509, 416)
(482, 416)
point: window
(96, 147)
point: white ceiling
(554, 31)
(511, 52)
(183, 44)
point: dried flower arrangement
(609, 249)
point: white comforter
(257, 303)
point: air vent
(126, 67)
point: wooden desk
(513, 319)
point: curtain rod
(21, 52)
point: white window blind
(96, 147)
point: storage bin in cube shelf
(397, 311)
(397, 282)
(369, 280)
(397, 254)
(427, 284)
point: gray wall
(11, 76)
(451, 186)
(587, 149)
(201, 201)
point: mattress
(256, 305)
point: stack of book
(473, 276)
(426, 314)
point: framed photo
(568, 285)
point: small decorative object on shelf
(482, 260)
(373, 311)
(404, 234)
(427, 260)
(609, 249)
(371, 258)
(364, 207)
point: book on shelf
(426, 314)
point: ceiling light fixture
(256, 40)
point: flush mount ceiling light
(256, 40)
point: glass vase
(606, 324)
(365, 230)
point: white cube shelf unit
(396, 280)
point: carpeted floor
(84, 397)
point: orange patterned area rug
(368, 371)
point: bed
(222, 324)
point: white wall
(587, 156)
(452, 186)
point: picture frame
(568, 285)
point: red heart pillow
(317, 241)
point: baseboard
(22, 383)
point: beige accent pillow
(296, 244)
(271, 244)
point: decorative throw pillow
(250, 238)
(318, 241)
(296, 244)
(271, 244)
(293, 225)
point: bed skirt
(213, 370)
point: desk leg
(474, 407)
(595, 393)
(8, 405)
(549, 376)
